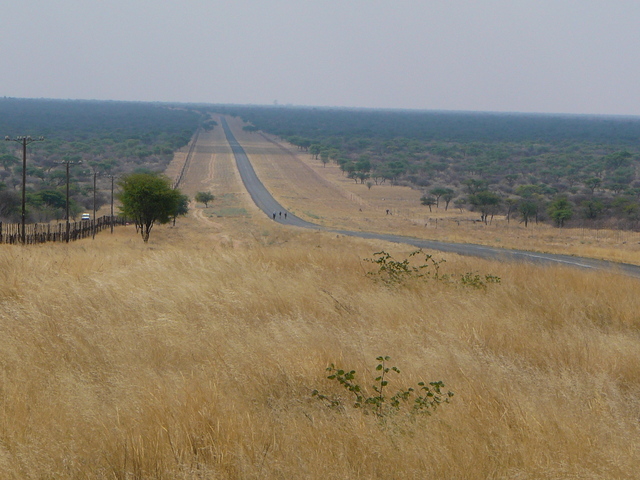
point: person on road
(274, 215)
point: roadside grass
(227, 212)
(188, 358)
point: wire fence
(11, 233)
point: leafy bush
(395, 272)
(392, 271)
(424, 399)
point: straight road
(270, 206)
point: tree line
(110, 138)
(557, 168)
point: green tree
(528, 209)
(592, 208)
(487, 202)
(10, 205)
(592, 184)
(204, 197)
(447, 197)
(182, 208)
(147, 199)
(511, 204)
(324, 157)
(474, 186)
(315, 150)
(618, 160)
(439, 192)
(52, 198)
(560, 210)
(8, 160)
(428, 201)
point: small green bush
(423, 399)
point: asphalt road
(269, 205)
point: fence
(187, 160)
(45, 232)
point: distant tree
(324, 157)
(363, 164)
(10, 205)
(8, 161)
(447, 197)
(487, 202)
(593, 183)
(182, 208)
(592, 208)
(439, 192)
(315, 150)
(617, 160)
(527, 191)
(52, 198)
(460, 204)
(560, 210)
(511, 204)
(204, 197)
(474, 186)
(511, 179)
(147, 199)
(528, 209)
(428, 201)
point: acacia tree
(428, 201)
(204, 197)
(148, 198)
(560, 210)
(528, 209)
(439, 192)
(487, 202)
(447, 197)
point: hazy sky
(564, 56)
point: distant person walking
(274, 215)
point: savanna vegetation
(199, 359)
(110, 138)
(519, 165)
(230, 347)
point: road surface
(270, 206)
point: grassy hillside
(194, 358)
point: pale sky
(556, 56)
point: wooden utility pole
(67, 163)
(24, 141)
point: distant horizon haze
(336, 107)
(504, 56)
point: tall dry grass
(189, 358)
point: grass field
(195, 357)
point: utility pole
(93, 233)
(111, 217)
(67, 163)
(24, 141)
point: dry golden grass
(193, 357)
